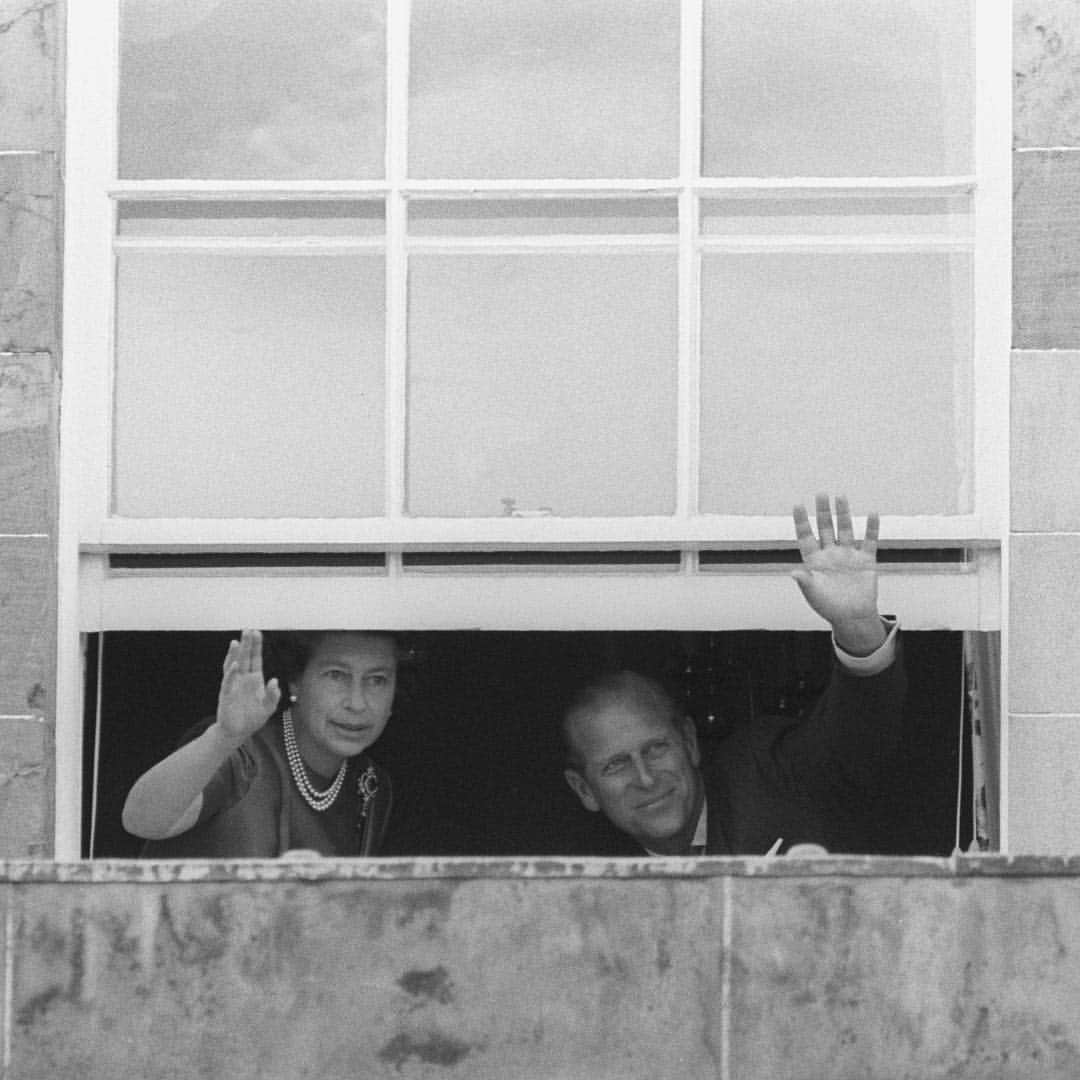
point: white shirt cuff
(878, 660)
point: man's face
(639, 767)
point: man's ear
(580, 787)
(689, 734)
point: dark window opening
(473, 745)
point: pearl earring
(292, 698)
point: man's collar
(701, 832)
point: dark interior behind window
(473, 747)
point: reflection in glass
(249, 386)
(834, 88)
(542, 384)
(836, 372)
(252, 89)
(544, 88)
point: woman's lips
(350, 729)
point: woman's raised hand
(245, 701)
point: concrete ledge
(784, 969)
(396, 869)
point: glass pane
(835, 88)
(249, 386)
(252, 89)
(836, 372)
(924, 216)
(542, 383)
(544, 88)
(199, 217)
(522, 217)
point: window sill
(24, 871)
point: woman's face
(343, 697)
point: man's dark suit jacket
(803, 779)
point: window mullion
(690, 109)
(397, 118)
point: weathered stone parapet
(744, 968)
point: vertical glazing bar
(689, 301)
(397, 118)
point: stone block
(838, 971)
(27, 590)
(29, 246)
(29, 82)
(28, 401)
(905, 978)
(1044, 785)
(490, 980)
(1044, 441)
(1044, 644)
(1046, 249)
(1046, 70)
(25, 795)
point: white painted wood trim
(993, 321)
(397, 265)
(569, 187)
(689, 292)
(655, 599)
(84, 455)
(553, 532)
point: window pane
(522, 217)
(836, 372)
(249, 386)
(544, 88)
(252, 89)
(846, 89)
(197, 217)
(542, 383)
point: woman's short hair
(286, 653)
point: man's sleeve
(849, 740)
(878, 660)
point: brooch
(367, 786)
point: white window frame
(91, 597)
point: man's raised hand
(838, 576)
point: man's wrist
(862, 636)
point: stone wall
(767, 969)
(1044, 653)
(30, 202)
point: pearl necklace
(317, 800)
